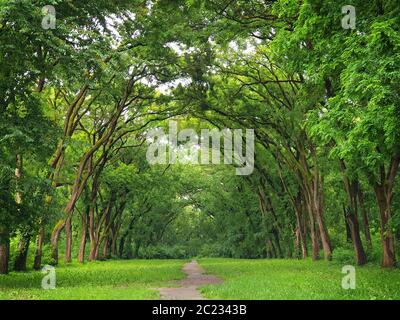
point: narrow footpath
(188, 288)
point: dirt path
(188, 289)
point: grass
(125, 280)
(244, 279)
(294, 280)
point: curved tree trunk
(55, 237)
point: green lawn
(130, 279)
(292, 279)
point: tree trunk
(318, 207)
(296, 245)
(121, 247)
(55, 237)
(96, 252)
(23, 245)
(82, 244)
(68, 240)
(388, 259)
(138, 245)
(346, 223)
(92, 232)
(277, 244)
(313, 232)
(114, 241)
(314, 242)
(4, 250)
(272, 249)
(361, 258)
(114, 247)
(301, 230)
(384, 196)
(365, 219)
(92, 253)
(22, 252)
(351, 214)
(106, 247)
(39, 250)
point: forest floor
(242, 279)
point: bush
(343, 255)
(163, 252)
(214, 250)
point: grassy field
(244, 279)
(133, 279)
(291, 279)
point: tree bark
(351, 212)
(92, 232)
(55, 237)
(106, 248)
(82, 245)
(388, 258)
(114, 245)
(68, 240)
(384, 196)
(4, 250)
(272, 249)
(361, 258)
(121, 246)
(365, 220)
(317, 202)
(346, 223)
(23, 245)
(301, 231)
(313, 230)
(84, 233)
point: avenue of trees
(78, 100)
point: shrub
(343, 255)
